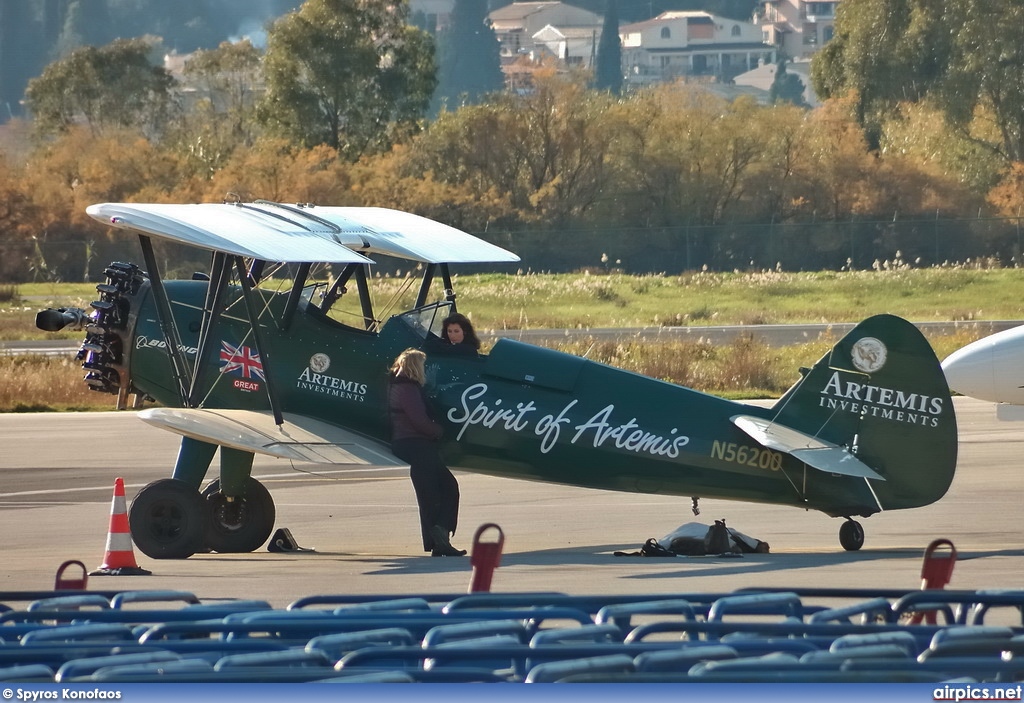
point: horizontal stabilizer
(300, 438)
(814, 452)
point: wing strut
(428, 278)
(364, 297)
(449, 289)
(338, 288)
(213, 306)
(261, 349)
(294, 295)
(179, 365)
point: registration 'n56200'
(754, 457)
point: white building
(691, 44)
(796, 27)
(517, 24)
(574, 46)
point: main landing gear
(171, 520)
(851, 535)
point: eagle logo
(868, 354)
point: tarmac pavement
(57, 474)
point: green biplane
(251, 358)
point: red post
(485, 559)
(936, 572)
(70, 584)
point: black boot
(442, 547)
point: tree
(112, 86)
(221, 117)
(1008, 196)
(982, 93)
(787, 87)
(16, 209)
(277, 170)
(608, 73)
(966, 55)
(469, 58)
(389, 180)
(546, 151)
(350, 74)
(840, 161)
(886, 51)
(229, 76)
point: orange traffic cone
(119, 559)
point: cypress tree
(469, 58)
(608, 72)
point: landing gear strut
(851, 535)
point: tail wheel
(241, 524)
(168, 520)
(851, 535)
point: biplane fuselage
(870, 427)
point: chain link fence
(815, 246)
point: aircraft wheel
(851, 535)
(168, 520)
(242, 524)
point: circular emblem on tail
(319, 362)
(868, 354)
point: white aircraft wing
(234, 229)
(300, 438)
(410, 236)
(814, 452)
(294, 234)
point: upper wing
(297, 234)
(301, 438)
(814, 452)
(233, 229)
(410, 236)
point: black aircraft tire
(851, 535)
(168, 520)
(256, 521)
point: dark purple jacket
(407, 409)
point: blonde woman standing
(415, 438)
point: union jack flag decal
(243, 360)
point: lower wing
(300, 438)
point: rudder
(880, 392)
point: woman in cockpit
(458, 332)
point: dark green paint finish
(534, 413)
(194, 458)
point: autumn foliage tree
(559, 167)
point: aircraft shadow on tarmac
(654, 567)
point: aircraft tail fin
(880, 396)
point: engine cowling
(106, 328)
(102, 351)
